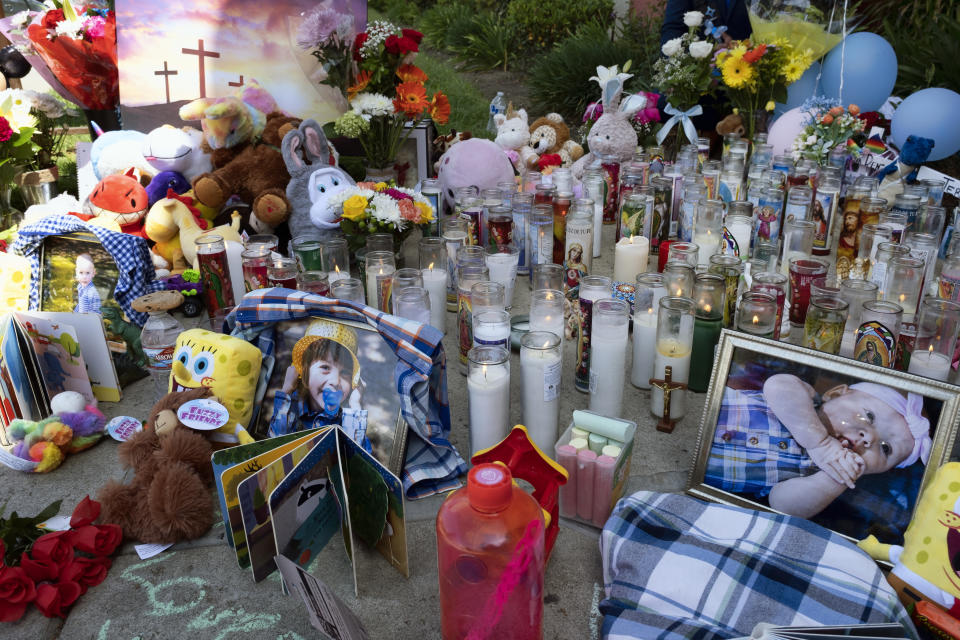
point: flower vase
(9, 216)
(38, 187)
(759, 121)
(386, 174)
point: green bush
(542, 23)
(487, 43)
(403, 12)
(437, 20)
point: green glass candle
(730, 268)
(708, 293)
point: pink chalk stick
(567, 458)
(585, 464)
(602, 489)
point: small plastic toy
(190, 287)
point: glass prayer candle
(268, 240)
(307, 253)
(454, 236)
(774, 284)
(563, 179)
(949, 281)
(380, 270)
(896, 221)
(577, 258)
(491, 198)
(937, 329)
(471, 210)
(544, 193)
(540, 366)
(610, 167)
(757, 314)
(740, 208)
(935, 189)
(693, 193)
(674, 174)
(430, 189)
(539, 237)
(486, 296)
(678, 279)
(433, 262)
(803, 273)
(708, 230)
(594, 189)
(608, 356)
(215, 273)
(402, 279)
(491, 327)
(782, 164)
(930, 219)
(870, 238)
(875, 340)
(769, 212)
(631, 256)
(826, 202)
(546, 311)
(703, 150)
(686, 252)
(741, 228)
(730, 268)
(646, 304)
(561, 207)
(467, 276)
(547, 276)
(799, 201)
(499, 227)
(768, 253)
(460, 194)
(870, 210)
(903, 284)
(412, 303)
(916, 189)
(886, 251)
(255, 261)
(635, 217)
(730, 185)
(503, 269)
(380, 242)
(907, 204)
(348, 289)
(314, 281)
(824, 289)
(797, 242)
(672, 347)
(335, 258)
(924, 246)
(711, 177)
(660, 223)
(708, 322)
(592, 288)
(824, 323)
(530, 180)
(631, 177)
(856, 293)
(522, 207)
(488, 393)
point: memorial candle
(488, 393)
(380, 270)
(592, 288)
(730, 268)
(540, 367)
(708, 228)
(335, 258)
(674, 346)
(708, 322)
(646, 305)
(467, 276)
(938, 325)
(454, 235)
(215, 274)
(608, 356)
(630, 258)
(503, 269)
(757, 314)
(432, 257)
(255, 261)
(546, 311)
(774, 284)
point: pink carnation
(5, 131)
(94, 26)
(408, 210)
(396, 194)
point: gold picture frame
(881, 504)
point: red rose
(52, 599)
(408, 45)
(87, 572)
(51, 19)
(85, 513)
(100, 540)
(39, 570)
(16, 592)
(413, 34)
(52, 550)
(392, 45)
(357, 43)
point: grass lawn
(468, 107)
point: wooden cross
(201, 53)
(166, 73)
(238, 83)
(667, 385)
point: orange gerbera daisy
(411, 73)
(755, 54)
(363, 79)
(411, 98)
(440, 108)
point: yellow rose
(426, 212)
(380, 186)
(354, 208)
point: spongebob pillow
(229, 367)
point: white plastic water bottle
(497, 105)
(158, 338)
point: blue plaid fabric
(432, 464)
(752, 450)
(675, 568)
(88, 299)
(136, 273)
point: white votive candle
(540, 366)
(709, 242)
(503, 269)
(435, 282)
(488, 393)
(608, 356)
(930, 363)
(630, 258)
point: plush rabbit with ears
(612, 134)
(313, 181)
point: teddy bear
(513, 134)
(549, 135)
(733, 123)
(74, 425)
(169, 498)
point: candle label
(688, 212)
(500, 233)
(611, 195)
(255, 277)
(676, 204)
(878, 273)
(634, 220)
(551, 381)
(582, 375)
(432, 229)
(905, 345)
(729, 245)
(577, 256)
(729, 191)
(710, 182)
(216, 281)
(472, 216)
(540, 244)
(384, 285)
(660, 224)
(768, 220)
(464, 324)
(823, 204)
(875, 344)
(949, 288)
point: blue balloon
(798, 92)
(869, 71)
(929, 113)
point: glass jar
(930, 219)
(687, 252)
(896, 221)
(797, 242)
(412, 303)
(856, 293)
(730, 268)
(348, 289)
(561, 207)
(711, 178)
(488, 395)
(799, 201)
(708, 230)
(757, 314)
(740, 227)
(540, 236)
(499, 227)
(660, 225)
(708, 323)
(610, 166)
(907, 204)
(254, 261)
(824, 324)
(804, 272)
(335, 257)
(878, 329)
(547, 276)
(522, 207)
(487, 296)
(379, 273)
(826, 201)
(937, 329)
(471, 211)
(314, 282)
(307, 253)
(673, 348)
(608, 356)
(650, 288)
(541, 367)
(769, 215)
(904, 278)
(870, 238)
(215, 273)
(925, 247)
(282, 272)
(878, 267)
(678, 278)
(694, 192)
(635, 217)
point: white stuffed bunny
(313, 181)
(513, 134)
(612, 134)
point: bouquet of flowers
(17, 128)
(684, 75)
(379, 52)
(51, 569)
(646, 121)
(828, 126)
(755, 76)
(79, 47)
(380, 208)
(328, 35)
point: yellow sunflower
(737, 73)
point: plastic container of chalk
(595, 451)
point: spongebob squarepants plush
(229, 366)
(929, 560)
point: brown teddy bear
(733, 123)
(169, 498)
(549, 135)
(254, 171)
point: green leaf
(51, 510)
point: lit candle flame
(930, 349)
(484, 371)
(903, 297)
(707, 308)
(756, 320)
(650, 310)
(679, 292)
(431, 266)
(336, 268)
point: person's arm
(791, 400)
(673, 26)
(805, 496)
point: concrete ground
(197, 590)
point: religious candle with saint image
(592, 288)
(217, 286)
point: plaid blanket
(677, 567)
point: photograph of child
(88, 300)
(815, 444)
(79, 276)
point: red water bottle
(490, 553)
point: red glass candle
(282, 272)
(803, 273)
(255, 261)
(561, 207)
(215, 273)
(611, 176)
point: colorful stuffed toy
(117, 152)
(174, 225)
(474, 162)
(550, 135)
(612, 134)
(169, 498)
(229, 367)
(168, 148)
(513, 134)
(915, 152)
(122, 199)
(162, 183)
(73, 426)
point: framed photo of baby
(842, 443)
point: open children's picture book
(291, 495)
(765, 631)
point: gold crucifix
(667, 385)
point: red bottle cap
(489, 487)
